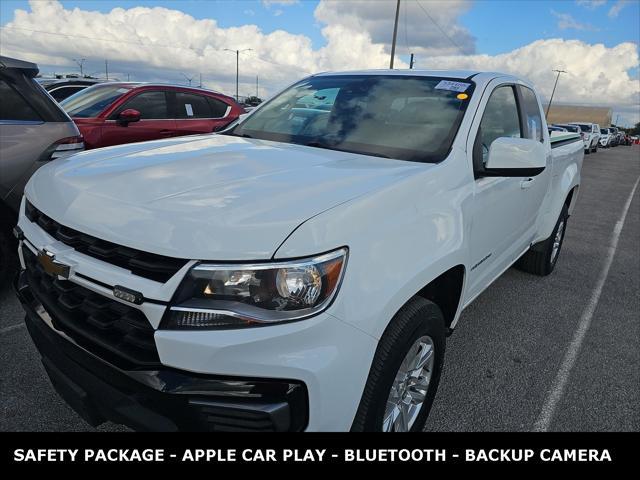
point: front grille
(144, 264)
(115, 332)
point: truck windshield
(413, 118)
(88, 103)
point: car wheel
(405, 371)
(541, 258)
(8, 257)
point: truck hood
(209, 197)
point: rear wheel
(541, 259)
(405, 371)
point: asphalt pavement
(503, 359)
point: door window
(190, 105)
(500, 119)
(531, 112)
(151, 105)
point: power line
(439, 27)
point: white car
(590, 135)
(606, 138)
(302, 269)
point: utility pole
(554, 90)
(237, 52)
(257, 87)
(200, 81)
(80, 62)
(411, 62)
(128, 77)
(395, 35)
(106, 68)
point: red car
(115, 113)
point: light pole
(237, 52)
(554, 90)
(395, 35)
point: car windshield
(583, 127)
(88, 103)
(604, 131)
(404, 117)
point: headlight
(235, 296)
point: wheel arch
(446, 292)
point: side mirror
(128, 116)
(515, 157)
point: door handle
(524, 184)
(166, 133)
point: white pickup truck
(302, 269)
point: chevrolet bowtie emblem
(51, 265)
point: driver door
(500, 214)
(155, 120)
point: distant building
(574, 113)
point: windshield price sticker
(452, 86)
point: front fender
(399, 238)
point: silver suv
(33, 130)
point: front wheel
(405, 371)
(541, 258)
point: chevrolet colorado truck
(300, 270)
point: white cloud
(597, 75)
(278, 12)
(614, 11)
(420, 23)
(159, 44)
(591, 4)
(567, 22)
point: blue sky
(481, 19)
(596, 41)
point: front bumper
(163, 399)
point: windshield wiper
(328, 146)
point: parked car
(615, 139)
(590, 135)
(116, 112)
(60, 89)
(569, 128)
(556, 128)
(33, 131)
(605, 138)
(300, 270)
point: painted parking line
(557, 389)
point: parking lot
(503, 361)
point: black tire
(595, 149)
(417, 318)
(587, 151)
(539, 259)
(8, 257)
